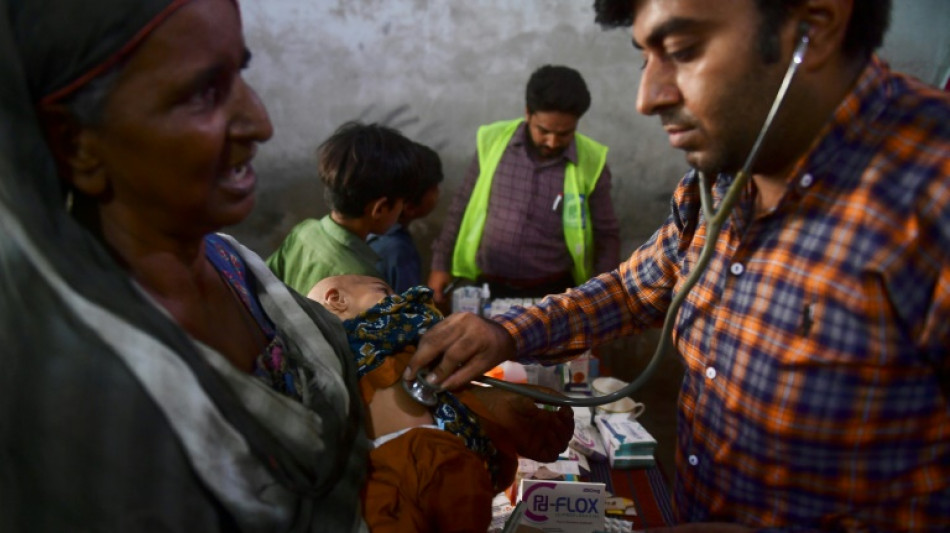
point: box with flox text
(563, 507)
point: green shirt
(317, 249)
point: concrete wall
(438, 69)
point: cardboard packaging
(587, 441)
(563, 507)
(467, 299)
(576, 373)
(628, 443)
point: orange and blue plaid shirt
(816, 343)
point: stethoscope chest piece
(421, 390)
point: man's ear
(74, 149)
(827, 25)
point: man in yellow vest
(533, 215)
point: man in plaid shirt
(816, 393)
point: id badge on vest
(575, 216)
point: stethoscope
(423, 392)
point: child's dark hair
(362, 162)
(430, 172)
(557, 88)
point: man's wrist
(513, 334)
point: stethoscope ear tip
(804, 31)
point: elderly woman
(154, 374)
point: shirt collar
(396, 228)
(348, 239)
(852, 121)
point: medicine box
(563, 507)
(624, 434)
(467, 299)
(628, 444)
(587, 441)
(576, 373)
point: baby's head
(348, 295)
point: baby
(438, 468)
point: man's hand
(438, 279)
(461, 347)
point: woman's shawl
(111, 417)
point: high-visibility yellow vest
(579, 182)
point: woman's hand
(461, 347)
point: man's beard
(541, 152)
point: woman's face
(179, 130)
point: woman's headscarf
(49, 48)
(64, 44)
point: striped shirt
(816, 343)
(524, 234)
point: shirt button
(693, 460)
(806, 180)
(711, 373)
(737, 269)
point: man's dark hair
(362, 162)
(557, 88)
(865, 34)
(430, 172)
(612, 14)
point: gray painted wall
(439, 69)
